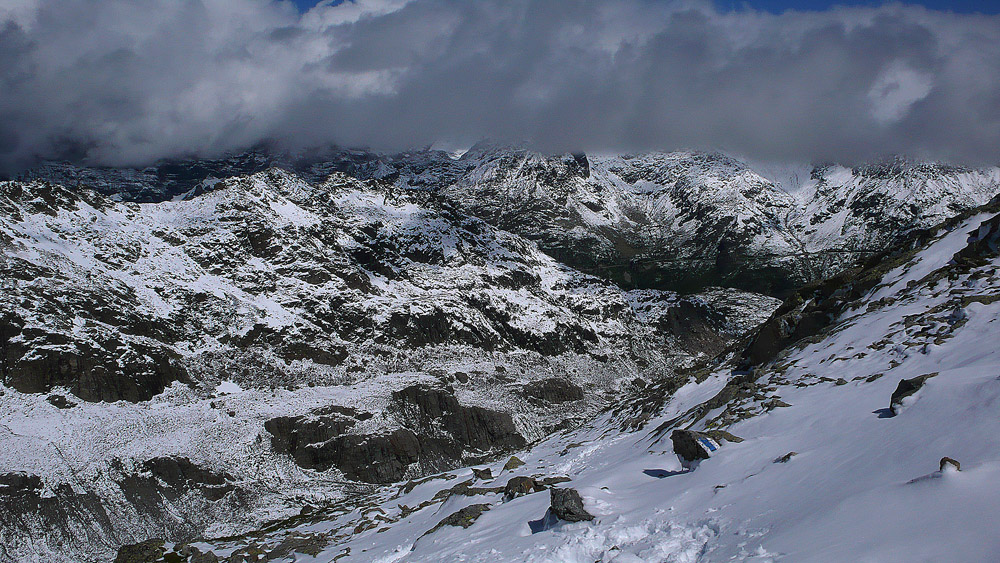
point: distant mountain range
(680, 221)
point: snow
(191, 268)
(862, 486)
(227, 388)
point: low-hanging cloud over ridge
(123, 82)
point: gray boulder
(691, 446)
(567, 504)
(143, 552)
(462, 518)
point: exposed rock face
(175, 493)
(303, 436)
(319, 441)
(688, 445)
(567, 504)
(553, 390)
(464, 518)
(436, 410)
(180, 474)
(111, 368)
(518, 486)
(907, 388)
(438, 432)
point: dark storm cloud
(125, 82)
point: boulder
(483, 474)
(60, 402)
(513, 463)
(567, 504)
(463, 518)
(691, 446)
(518, 486)
(785, 458)
(142, 552)
(907, 388)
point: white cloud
(896, 89)
(119, 82)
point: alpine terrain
(498, 355)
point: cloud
(896, 89)
(119, 82)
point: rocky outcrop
(567, 504)
(513, 463)
(181, 475)
(907, 388)
(462, 518)
(436, 411)
(485, 474)
(112, 369)
(691, 446)
(299, 436)
(172, 497)
(983, 243)
(437, 432)
(142, 552)
(552, 390)
(518, 486)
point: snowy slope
(862, 484)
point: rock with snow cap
(567, 504)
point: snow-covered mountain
(687, 220)
(858, 423)
(680, 221)
(296, 352)
(205, 365)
